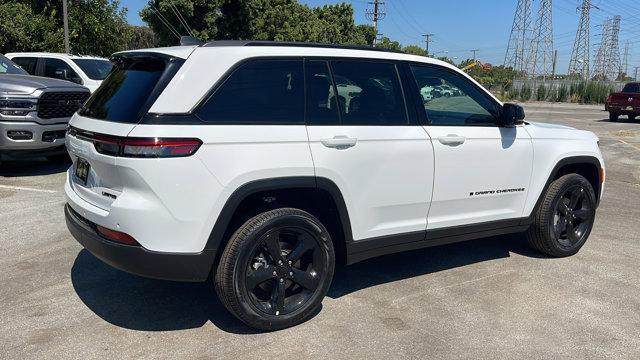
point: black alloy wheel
(283, 272)
(564, 219)
(276, 269)
(574, 217)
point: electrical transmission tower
(613, 63)
(579, 63)
(540, 61)
(625, 60)
(376, 14)
(599, 70)
(518, 40)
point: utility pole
(516, 49)
(66, 27)
(579, 63)
(376, 14)
(613, 50)
(599, 72)
(474, 51)
(427, 40)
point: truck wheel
(565, 217)
(276, 269)
(613, 116)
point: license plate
(82, 170)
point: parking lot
(490, 298)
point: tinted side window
(450, 99)
(369, 93)
(322, 108)
(27, 63)
(56, 68)
(631, 88)
(261, 91)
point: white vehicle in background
(427, 93)
(84, 70)
(233, 161)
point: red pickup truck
(626, 102)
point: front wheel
(564, 220)
(276, 269)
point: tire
(632, 117)
(564, 220)
(613, 117)
(268, 295)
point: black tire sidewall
(568, 181)
(250, 313)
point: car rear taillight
(140, 147)
(117, 236)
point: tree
(23, 30)
(96, 27)
(142, 38)
(415, 50)
(387, 43)
(280, 20)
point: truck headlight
(16, 106)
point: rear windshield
(123, 94)
(95, 69)
(631, 88)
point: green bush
(563, 94)
(541, 93)
(525, 93)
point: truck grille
(60, 104)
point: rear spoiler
(190, 40)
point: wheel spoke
(582, 214)
(576, 196)
(570, 231)
(307, 279)
(564, 210)
(258, 276)
(277, 297)
(304, 244)
(272, 242)
(561, 225)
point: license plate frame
(82, 170)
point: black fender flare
(587, 159)
(280, 183)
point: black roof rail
(220, 43)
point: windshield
(9, 67)
(631, 88)
(96, 69)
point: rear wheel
(564, 220)
(276, 269)
(613, 116)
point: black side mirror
(512, 114)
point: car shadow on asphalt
(622, 119)
(138, 303)
(33, 167)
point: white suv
(80, 69)
(237, 160)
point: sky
(461, 25)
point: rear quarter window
(125, 92)
(259, 92)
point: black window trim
(422, 114)
(414, 114)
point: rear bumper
(138, 260)
(623, 109)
